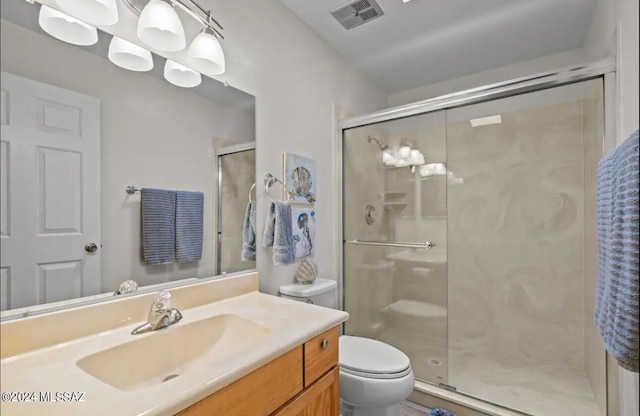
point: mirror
(76, 131)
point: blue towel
(249, 233)
(441, 412)
(189, 214)
(158, 225)
(278, 232)
(616, 310)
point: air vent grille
(356, 13)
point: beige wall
(146, 141)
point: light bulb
(66, 28)
(160, 27)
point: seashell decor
(307, 271)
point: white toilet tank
(322, 292)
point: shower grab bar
(427, 244)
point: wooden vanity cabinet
(303, 382)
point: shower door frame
(604, 69)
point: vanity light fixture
(160, 27)
(181, 76)
(66, 28)
(95, 12)
(129, 56)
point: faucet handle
(161, 302)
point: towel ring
(250, 191)
(269, 180)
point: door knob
(90, 247)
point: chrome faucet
(161, 314)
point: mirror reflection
(76, 131)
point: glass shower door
(394, 199)
(523, 250)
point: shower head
(381, 145)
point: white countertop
(54, 369)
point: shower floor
(537, 388)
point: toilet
(374, 377)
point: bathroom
(298, 82)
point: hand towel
(617, 310)
(278, 233)
(249, 233)
(158, 225)
(189, 218)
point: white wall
(146, 141)
(295, 77)
(520, 69)
(614, 31)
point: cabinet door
(322, 398)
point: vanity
(235, 352)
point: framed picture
(304, 230)
(299, 179)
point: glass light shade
(129, 56)
(416, 157)
(160, 27)
(181, 76)
(404, 151)
(66, 28)
(205, 54)
(433, 169)
(388, 158)
(401, 163)
(96, 12)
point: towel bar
(427, 244)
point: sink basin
(162, 355)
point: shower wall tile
(515, 231)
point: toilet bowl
(374, 377)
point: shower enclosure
(469, 239)
(236, 175)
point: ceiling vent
(356, 13)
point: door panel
(50, 193)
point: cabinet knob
(325, 344)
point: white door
(50, 193)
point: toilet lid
(370, 357)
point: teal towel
(189, 225)
(158, 225)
